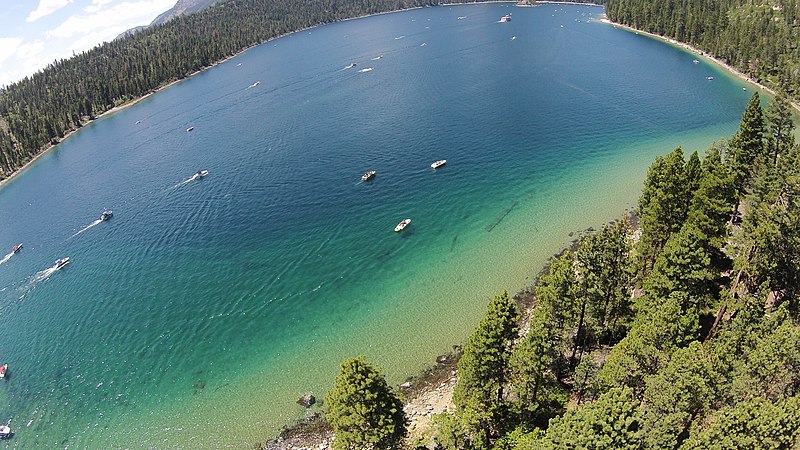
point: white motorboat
(106, 215)
(506, 18)
(439, 163)
(368, 176)
(5, 432)
(189, 129)
(402, 225)
(61, 263)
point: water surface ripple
(197, 315)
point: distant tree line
(681, 333)
(759, 38)
(39, 110)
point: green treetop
(747, 144)
(363, 410)
(482, 368)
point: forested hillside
(685, 334)
(680, 333)
(760, 38)
(39, 110)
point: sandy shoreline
(741, 75)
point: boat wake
(6, 258)
(253, 85)
(43, 274)
(399, 37)
(198, 175)
(377, 57)
(93, 224)
(366, 69)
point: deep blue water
(202, 309)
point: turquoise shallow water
(198, 314)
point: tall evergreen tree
(483, 368)
(663, 205)
(363, 410)
(747, 145)
(780, 126)
(712, 202)
(613, 422)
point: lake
(198, 314)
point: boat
(16, 248)
(709, 78)
(366, 69)
(439, 163)
(351, 66)
(368, 175)
(5, 432)
(61, 263)
(200, 174)
(402, 225)
(189, 129)
(3, 370)
(695, 61)
(506, 18)
(106, 215)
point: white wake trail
(93, 224)
(190, 179)
(6, 258)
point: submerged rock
(307, 400)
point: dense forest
(760, 38)
(675, 328)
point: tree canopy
(363, 410)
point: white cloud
(96, 6)
(27, 59)
(118, 17)
(8, 47)
(22, 56)
(92, 39)
(30, 50)
(47, 7)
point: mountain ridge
(181, 7)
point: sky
(34, 33)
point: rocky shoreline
(426, 394)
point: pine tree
(613, 422)
(780, 126)
(363, 410)
(712, 202)
(663, 205)
(483, 367)
(747, 144)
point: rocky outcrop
(307, 400)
